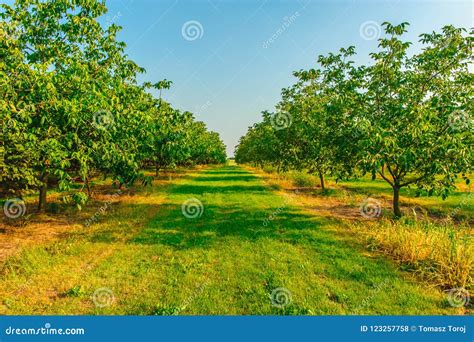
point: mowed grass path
(154, 260)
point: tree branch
(381, 173)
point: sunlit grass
(458, 205)
(436, 248)
(227, 261)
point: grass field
(246, 247)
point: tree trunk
(42, 194)
(88, 186)
(321, 180)
(396, 201)
(157, 168)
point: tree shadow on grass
(217, 222)
(190, 189)
(291, 235)
(340, 254)
(171, 228)
(232, 170)
(226, 178)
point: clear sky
(227, 68)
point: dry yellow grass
(438, 250)
(440, 253)
(38, 229)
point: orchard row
(71, 106)
(406, 118)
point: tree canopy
(405, 118)
(71, 105)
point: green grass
(459, 204)
(435, 204)
(156, 261)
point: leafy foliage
(71, 105)
(407, 119)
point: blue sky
(233, 69)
